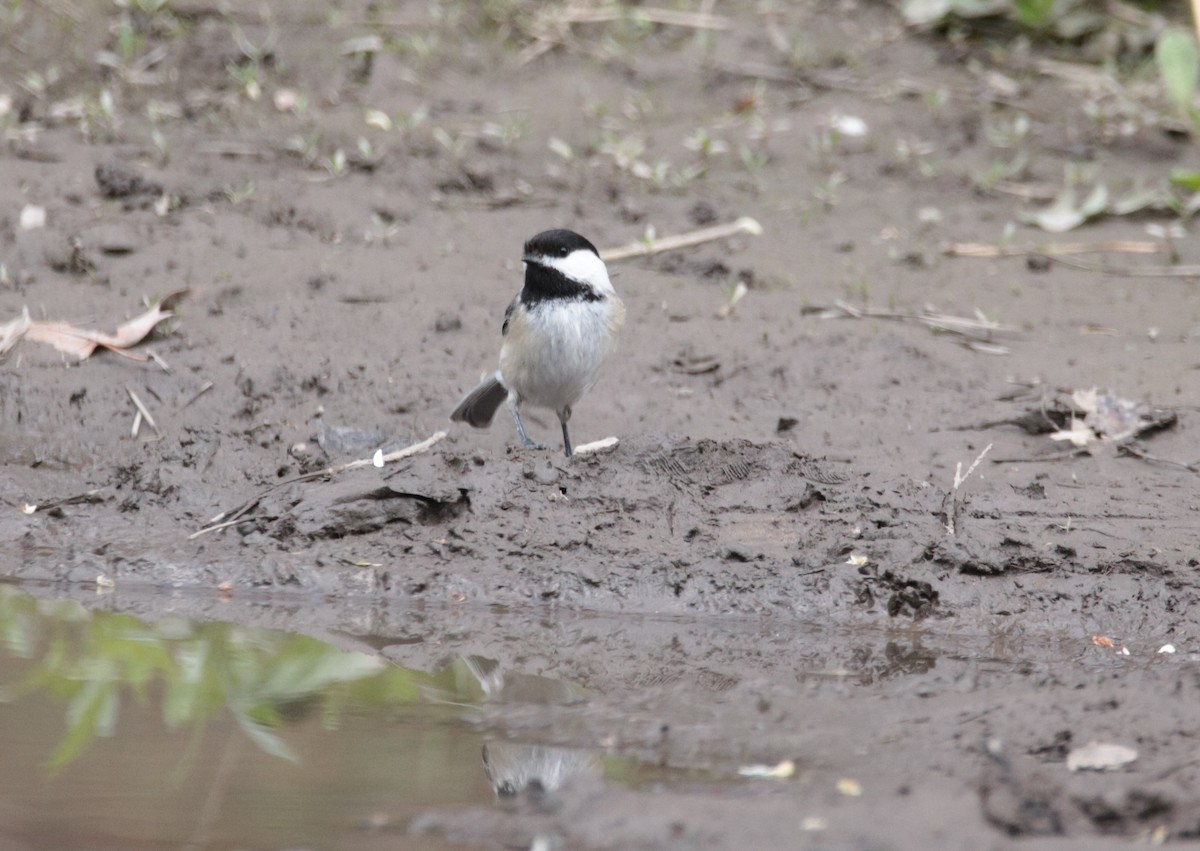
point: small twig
(208, 385)
(137, 424)
(89, 497)
(959, 479)
(379, 459)
(1052, 456)
(236, 149)
(1131, 271)
(1080, 74)
(1135, 452)
(158, 360)
(234, 522)
(684, 240)
(142, 411)
(220, 521)
(1025, 191)
(665, 17)
(553, 29)
(974, 329)
(1050, 249)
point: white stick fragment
(959, 478)
(216, 527)
(379, 459)
(142, 412)
(684, 240)
(166, 367)
(780, 771)
(137, 424)
(597, 446)
(1100, 756)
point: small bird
(557, 332)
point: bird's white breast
(553, 351)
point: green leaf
(1035, 13)
(1179, 65)
(1065, 213)
(266, 740)
(1186, 178)
(1096, 201)
(92, 713)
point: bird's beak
(529, 258)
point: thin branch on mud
(1088, 76)
(157, 358)
(142, 412)
(1044, 192)
(1050, 249)
(1065, 455)
(232, 150)
(237, 515)
(553, 29)
(1181, 271)
(657, 245)
(1135, 452)
(979, 332)
(208, 385)
(1061, 252)
(959, 478)
(216, 527)
(87, 497)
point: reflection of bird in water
(536, 771)
(521, 771)
(503, 686)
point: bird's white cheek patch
(583, 266)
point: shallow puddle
(125, 726)
(125, 734)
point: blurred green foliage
(93, 661)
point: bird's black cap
(557, 243)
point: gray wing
(512, 305)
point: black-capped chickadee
(557, 332)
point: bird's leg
(563, 416)
(525, 441)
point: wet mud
(781, 559)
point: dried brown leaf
(81, 342)
(12, 332)
(63, 336)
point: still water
(122, 734)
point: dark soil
(784, 477)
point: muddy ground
(764, 567)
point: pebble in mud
(117, 180)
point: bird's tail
(479, 406)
